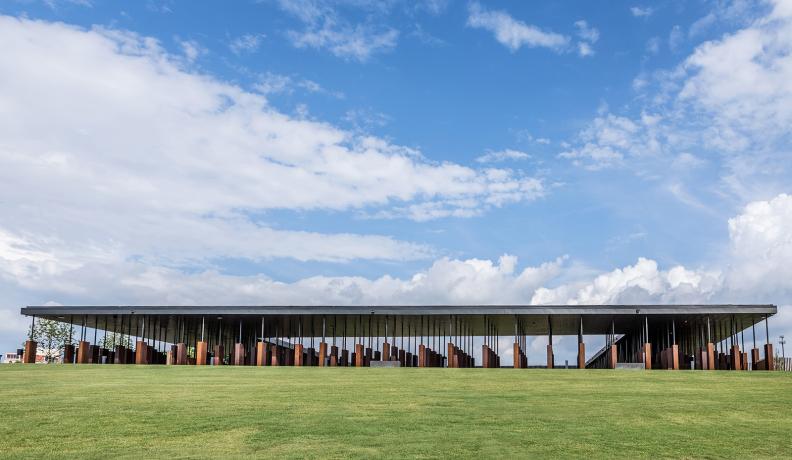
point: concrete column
(201, 349)
(359, 358)
(550, 357)
(581, 357)
(30, 352)
(769, 358)
(298, 355)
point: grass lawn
(188, 412)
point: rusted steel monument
(704, 337)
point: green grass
(180, 412)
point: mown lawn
(188, 412)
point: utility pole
(782, 342)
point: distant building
(11, 358)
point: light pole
(781, 342)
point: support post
(769, 359)
(550, 357)
(613, 356)
(30, 352)
(647, 355)
(517, 356)
(581, 357)
(711, 356)
(298, 355)
(322, 354)
(359, 357)
(421, 355)
(201, 351)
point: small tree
(52, 336)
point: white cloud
(586, 32)
(325, 28)
(641, 11)
(653, 45)
(110, 146)
(585, 49)
(503, 155)
(730, 100)
(675, 37)
(191, 49)
(247, 43)
(512, 33)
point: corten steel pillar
(710, 356)
(550, 357)
(744, 360)
(274, 355)
(344, 357)
(517, 357)
(736, 358)
(581, 357)
(403, 358)
(359, 358)
(613, 357)
(368, 357)
(769, 359)
(141, 352)
(322, 354)
(239, 354)
(181, 354)
(408, 359)
(386, 351)
(219, 355)
(451, 354)
(120, 354)
(298, 354)
(333, 356)
(484, 356)
(674, 358)
(261, 354)
(201, 353)
(68, 353)
(647, 352)
(83, 352)
(755, 358)
(30, 352)
(421, 355)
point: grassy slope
(157, 411)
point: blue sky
(386, 152)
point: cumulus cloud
(730, 99)
(513, 33)
(180, 166)
(641, 11)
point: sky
(391, 152)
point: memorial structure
(706, 337)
